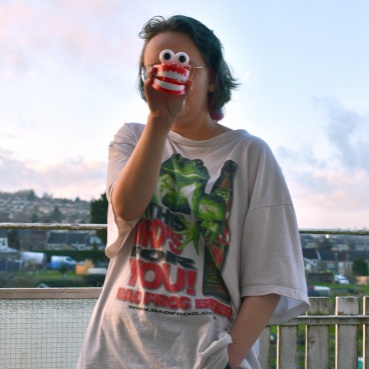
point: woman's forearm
(136, 183)
(253, 316)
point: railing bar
(365, 352)
(328, 320)
(357, 232)
(59, 226)
(94, 292)
(56, 226)
(317, 337)
(264, 354)
(49, 293)
(346, 345)
(287, 347)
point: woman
(203, 239)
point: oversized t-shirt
(220, 226)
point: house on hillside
(329, 260)
(57, 240)
(84, 240)
(8, 255)
(311, 260)
(308, 241)
(32, 239)
(73, 240)
(334, 261)
(94, 242)
(3, 238)
(77, 239)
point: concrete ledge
(49, 293)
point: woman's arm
(253, 316)
(136, 183)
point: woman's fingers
(165, 104)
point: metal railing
(72, 226)
(320, 339)
(44, 328)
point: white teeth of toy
(168, 86)
(171, 74)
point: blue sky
(68, 82)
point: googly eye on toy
(168, 57)
(181, 59)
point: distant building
(311, 259)
(8, 255)
(57, 240)
(32, 239)
(73, 240)
(77, 239)
(3, 238)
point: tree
(13, 239)
(325, 244)
(99, 214)
(31, 196)
(360, 267)
(56, 215)
(47, 196)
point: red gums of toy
(170, 79)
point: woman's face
(197, 102)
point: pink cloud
(81, 33)
(331, 199)
(69, 179)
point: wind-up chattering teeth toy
(173, 73)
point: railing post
(287, 347)
(317, 337)
(346, 335)
(366, 334)
(264, 352)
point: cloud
(68, 179)
(331, 200)
(331, 189)
(82, 33)
(348, 132)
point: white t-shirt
(220, 225)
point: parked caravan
(33, 260)
(58, 261)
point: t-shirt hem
(264, 290)
(292, 313)
(299, 307)
(123, 230)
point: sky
(68, 81)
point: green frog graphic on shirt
(181, 189)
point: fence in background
(63, 226)
(44, 328)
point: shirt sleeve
(271, 255)
(120, 149)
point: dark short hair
(210, 48)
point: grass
(52, 278)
